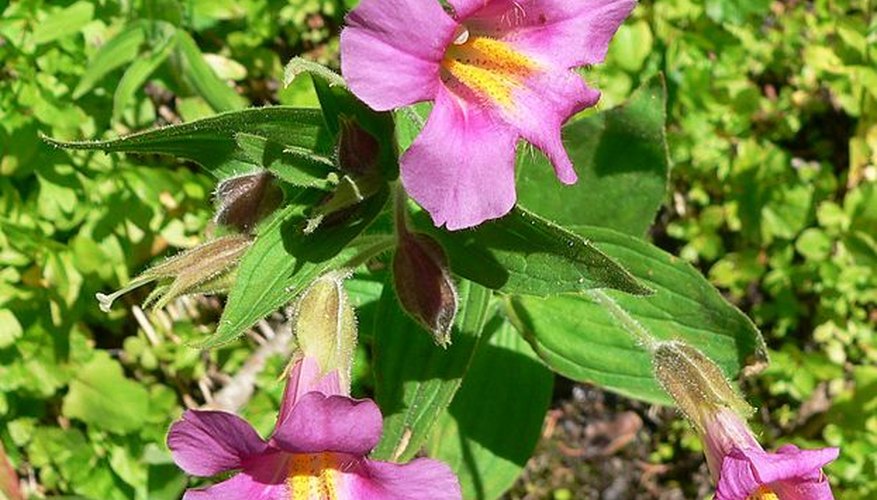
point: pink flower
(498, 71)
(745, 471)
(318, 450)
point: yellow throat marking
(314, 476)
(763, 493)
(488, 67)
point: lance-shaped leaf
(284, 260)
(416, 380)
(211, 142)
(606, 338)
(489, 431)
(524, 253)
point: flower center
(487, 67)
(763, 493)
(314, 476)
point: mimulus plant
(497, 70)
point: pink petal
(737, 478)
(391, 50)
(744, 471)
(791, 462)
(205, 443)
(546, 101)
(264, 478)
(330, 424)
(461, 168)
(419, 479)
(305, 377)
(568, 34)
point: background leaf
(415, 379)
(163, 44)
(488, 433)
(201, 77)
(523, 253)
(117, 52)
(588, 337)
(100, 395)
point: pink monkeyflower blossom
(497, 70)
(317, 450)
(744, 471)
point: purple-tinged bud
(325, 327)
(424, 284)
(245, 200)
(358, 150)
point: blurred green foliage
(773, 132)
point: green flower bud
(325, 326)
(696, 383)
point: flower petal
(461, 168)
(330, 424)
(418, 479)
(205, 443)
(546, 101)
(743, 471)
(569, 34)
(391, 50)
(263, 478)
(737, 478)
(305, 377)
(465, 8)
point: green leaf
(489, 431)
(296, 166)
(119, 51)
(524, 253)
(63, 22)
(415, 379)
(284, 260)
(200, 75)
(621, 158)
(298, 66)
(211, 142)
(10, 328)
(101, 396)
(143, 67)
(592, 337)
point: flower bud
(207, 268)
(245, 200)
(695, 382)
(358, 150)
(424, 284)
(325, 327)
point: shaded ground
(596, 445)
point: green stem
(375, 249)
(628, 323)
